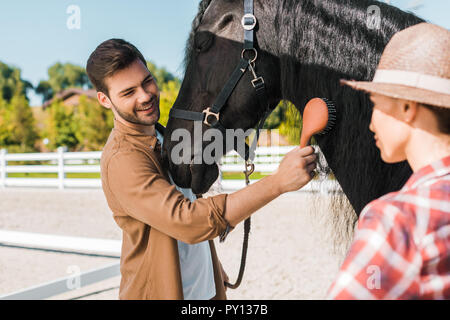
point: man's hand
(296, 169)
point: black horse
(304, 48)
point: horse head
(214, 50)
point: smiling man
(167, 249)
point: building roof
(68, 95)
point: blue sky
(34, 34)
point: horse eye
(226, 21)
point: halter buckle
(208, 113)
(245, 25)
(255, 55)
(249, 169)
(258, 82)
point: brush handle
(304, 140)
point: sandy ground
(290, 253)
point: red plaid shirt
(401, 248)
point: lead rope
(249, 169)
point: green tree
(276, 117)
(60, 126)
(169, 86)
(161, 74)
(5, 123)
(61, 77)
(11, 83)
(17, 125)
(45, 90)
(291, 124)
(169, 93)
(93, 124)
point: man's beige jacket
(153, 216)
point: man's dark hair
(109, 57)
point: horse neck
(313, 58)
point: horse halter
(210, 116)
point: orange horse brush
(319, 117)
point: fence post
(61, 174)
(3, 164)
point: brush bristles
(331, 116)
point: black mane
(325, 42)
(309, 29)
(203, 5)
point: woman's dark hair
(442, 116)
(109, 57)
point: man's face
(133, 95)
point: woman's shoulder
(386, 209)
(422, 209)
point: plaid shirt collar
(434, 170)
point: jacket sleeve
(145, 195)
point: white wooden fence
(61, 162)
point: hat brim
(401, 92)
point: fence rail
(63, 285)
(61, 162)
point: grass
(241, 176)
(89, 175)
(93, 175)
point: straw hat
(415, 66)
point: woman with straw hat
(401, 248)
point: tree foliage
(11, 83)
(93, 124)
(60, 126)
(169, 86)
(161, 75)
(17, 125)
(61, 77)
(291, 123)
(169, 93)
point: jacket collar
(138, 132)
